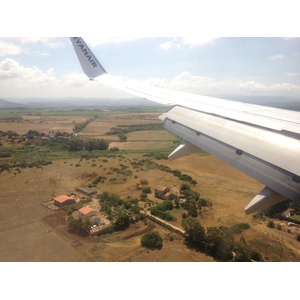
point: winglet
(264, 199)
(89, 63)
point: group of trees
(218, 242)
(112, 205)
(161, 210)
(82, 225)
(90, 145)
(193, 203)
(80, 126)
(134, 127)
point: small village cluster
(160, 192)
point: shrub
(271, 224)
(144, 182)
(146, 190)
(237, 228)
(143, 196)
(106, 230)
(152, 239)
(114, 149)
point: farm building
(86, 211)
(161, 191)
(86, 191)
(63, 200)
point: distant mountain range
(43, 103)
(28, 103)
(9, 104)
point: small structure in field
(86, 191)
(163, 192)
(95, 220)
(63, 200)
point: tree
(194, 232)
(75, 224)
(152, 239)
(76, 144)
(122, 221)
(143, 196)
(243, 252)
(146, 189)
(122, 137)
(192, 210)
(219, 242)
(86, 223)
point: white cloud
(8, 48)
(17, 80)
(293, 74)
(198, 41)
(277, 57)
(166, 46)
(229, 86)
(19, 45)
(191, 42)
(14, 74)
(101, 40)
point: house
(86, 191)
(161, 191)
(63, 200)
(169, 196)
(86, 210)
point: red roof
(85, 210)
(63, 198)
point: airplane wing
(263, 142)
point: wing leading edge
(262, 142)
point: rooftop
(63, 198)
(86, 209)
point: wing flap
(282, 151)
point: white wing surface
(261, 141)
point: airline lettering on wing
(85, 52)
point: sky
(204, 48)
(47, 67)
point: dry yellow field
(42, 124)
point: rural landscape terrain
(193, 207)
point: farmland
(30, 231)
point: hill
(10, 104)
